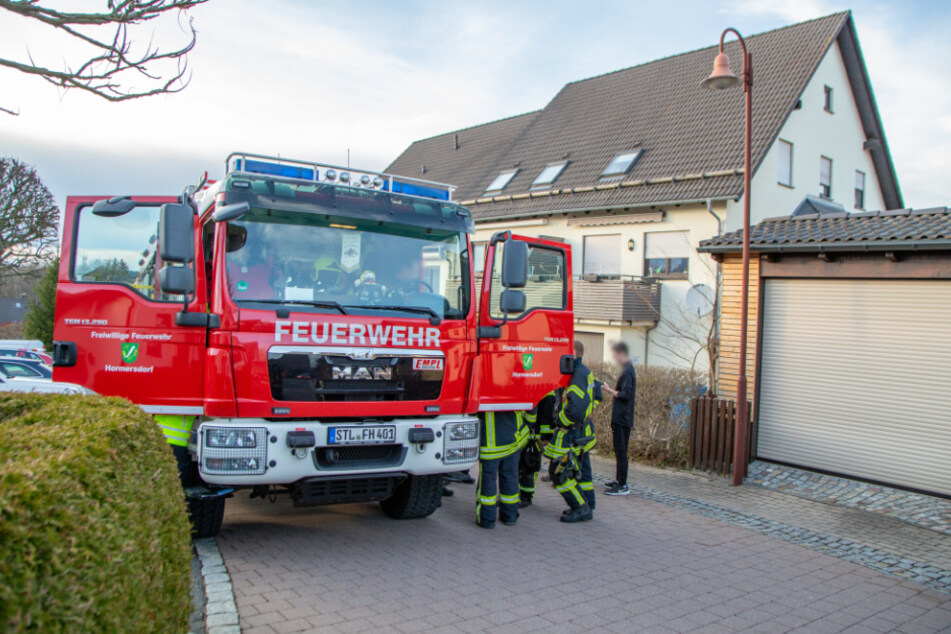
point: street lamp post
(722, 77)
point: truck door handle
(64, 354)
(489, 332)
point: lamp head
(721, 77)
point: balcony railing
(625, 298)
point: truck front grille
(359, 457)
(323, 376)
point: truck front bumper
(255, 451)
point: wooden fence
(712, 421)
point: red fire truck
(306, 328)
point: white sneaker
(621, 490)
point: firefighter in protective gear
(539, 421)
(570, 467)
(503, 435)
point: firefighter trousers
(497, 493)
(528, 468)
(580, 490)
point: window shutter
(667, 244)
(602, 255)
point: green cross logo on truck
(527, 361)
(130, 352)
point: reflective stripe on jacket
(503, 433)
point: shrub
(94, 534)
(661, 412)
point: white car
(20, 384)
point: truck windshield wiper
(423, 310)
(303, 302)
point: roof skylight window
(621, 164)
(549, 175)
(501, 181)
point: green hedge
(94, 534)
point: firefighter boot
(578, 514)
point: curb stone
(220, 609)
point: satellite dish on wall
(700, 299)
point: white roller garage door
(856, 379)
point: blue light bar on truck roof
(310, 171)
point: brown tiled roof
(866, 230)
(463, 156)
(691, 137)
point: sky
(318, 80)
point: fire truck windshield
(346, 264)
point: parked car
(27, 344)
(15, 367)
(23, 353)
(19, 384)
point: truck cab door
(116, 328)
(525, 331)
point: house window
(667, 254)
(548, 175)
(621, 164)
(785, 163)
(859, 189)
(478, 256)
(501, 181)
(827, 98)
(602, 255)
(825, 177)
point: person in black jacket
(622, 416)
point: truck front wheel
(416, 496)
(206, 515)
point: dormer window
(501, 181)
(549, 175)
(621, 164)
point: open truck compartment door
(116, 330)
(525, 331)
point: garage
(856, 378)
(849, 356)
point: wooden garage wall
(729, 360)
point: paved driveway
(639, 566)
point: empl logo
(527, 361)
(130, 352)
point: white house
(634, 168)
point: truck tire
(416, 496)
(206, 515)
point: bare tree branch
(108, 67)
(29, 217)
(689, 337)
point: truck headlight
(461, 442)
(230, 438)
(233, 450)
(462, 431)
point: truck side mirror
(176, 233)
(515, 264)
(512, 302)
(231, 212)
(112, 207)
(177, 280)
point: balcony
(627, 299)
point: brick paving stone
(915, 508)
(685, 553)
